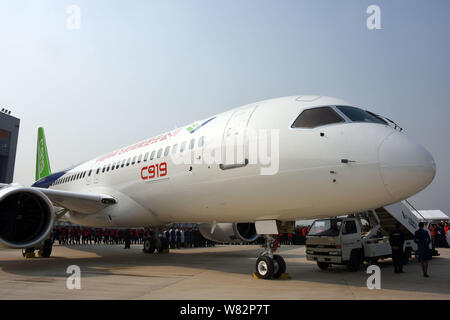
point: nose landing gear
(268, 264)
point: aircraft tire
(27, 250)
(46, 250)
(265, 268)
(164, 246)
(279, 266)
(149, 245)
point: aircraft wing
(87, 203)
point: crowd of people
(180, 237)
(176, 236)
(296, 238)
(439, 233)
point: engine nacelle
(229, 232)
(26, 217)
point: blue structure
(9, 134)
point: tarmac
(221, 272)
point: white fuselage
(311, 176)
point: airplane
(253, 170)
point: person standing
(187, 238)
(423, 240)
(397, 241)
(447, 235)
(172, 238)
(127, 239)
(182, 238)
(178, 233)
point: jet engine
(26, 217)
(229, 232)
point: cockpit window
(316, 117)
(359, 115)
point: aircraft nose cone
(406, 167)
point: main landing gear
(268, 264)
(44, 251)
(160, 244)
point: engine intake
(26, 217)
(229, 232)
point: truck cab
(351, 240)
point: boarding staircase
(402, 212)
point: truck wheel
(323, 265)
(354, 262)
(407, 256)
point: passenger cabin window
(175, 147)
(359, 115)
(140, 158)
(128, 161)
(317, 117)
(159, 153)
(134, 160)
(183, 146)
(146, 157)
(152, 155)
(166, 152)
(123, 163)
(191, 144)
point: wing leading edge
(86, 203)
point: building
(9, 134)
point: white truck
(351, 240)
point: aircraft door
(234, 153)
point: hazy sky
(138, 68)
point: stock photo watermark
(374, 20)
(73, 282)
(73, 21)
(256, 147)
(374, 280)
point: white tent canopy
(432, 215)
